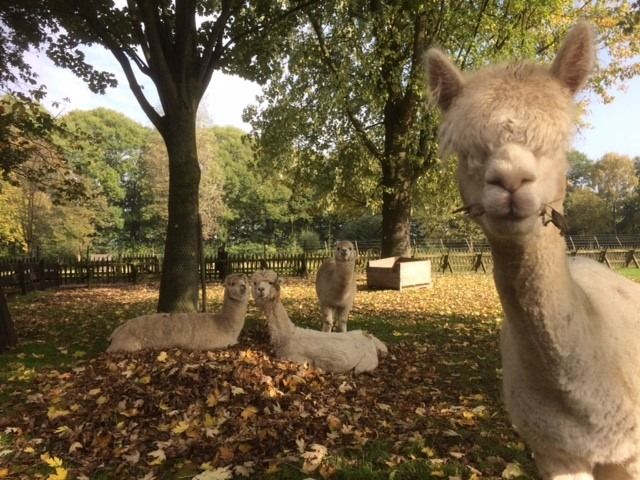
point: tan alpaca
(571, 336)
(191, 331)
(336, 286)
(331, 351)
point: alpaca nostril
(511, 185)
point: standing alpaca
(336, 286)
(191, 331)
(570, 340)
(331, 351)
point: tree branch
(157, 53)
(214, 49)
(357, 125)
(118, 52)
(185, 47)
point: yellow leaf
(61, 474)
(180, 427)
(438, 473)
(222, 473)
(429, 452)
(53, 412)
(209, 421)
(512, 470)
(51, 461)
(94, 391)
(162, 356)
(101, 400)
(4, 472)
(62, 431)
(248, 412)
(28, 450)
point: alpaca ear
(444, 78)
(576, 57)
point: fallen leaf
(162, 356)
(158, 457)
(51, 461)
(61, 474)
(223, 473)
(512, 470)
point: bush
(252, 248)
(309, 241)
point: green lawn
(432, 409)
(632, 273)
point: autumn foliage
(432, 409)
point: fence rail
(24, 274)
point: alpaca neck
(344, 272)
(231, 314)
(281, 328)
(543, 306)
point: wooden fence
(24, 275)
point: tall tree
(178, 45)
(106, 146)
(350, 89)
(615, 179)
(580, 174)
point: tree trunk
(179, 281)
(396, 218)
(397, 182)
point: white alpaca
(571, 336)
(336, 286)
(331, 351)
(191, 331)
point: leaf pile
(430, 410)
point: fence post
(42, 285)
(8, 337)
(602, 258)
(22, 277)
(478, 263)
(134, 274)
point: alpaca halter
(547, 212)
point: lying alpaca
(571, 336)
(336, 286)
(334, 352)
(191, 331)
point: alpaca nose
(511, 167)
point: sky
(613, 127)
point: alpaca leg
(327, 319)
(343, 315)
(563, 468)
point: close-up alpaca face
(236, 285)
(512, 169)
(510, 127)
(345, 251)
(264, 285)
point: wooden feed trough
(398, 273)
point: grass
(443, 416)
(632, 273)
